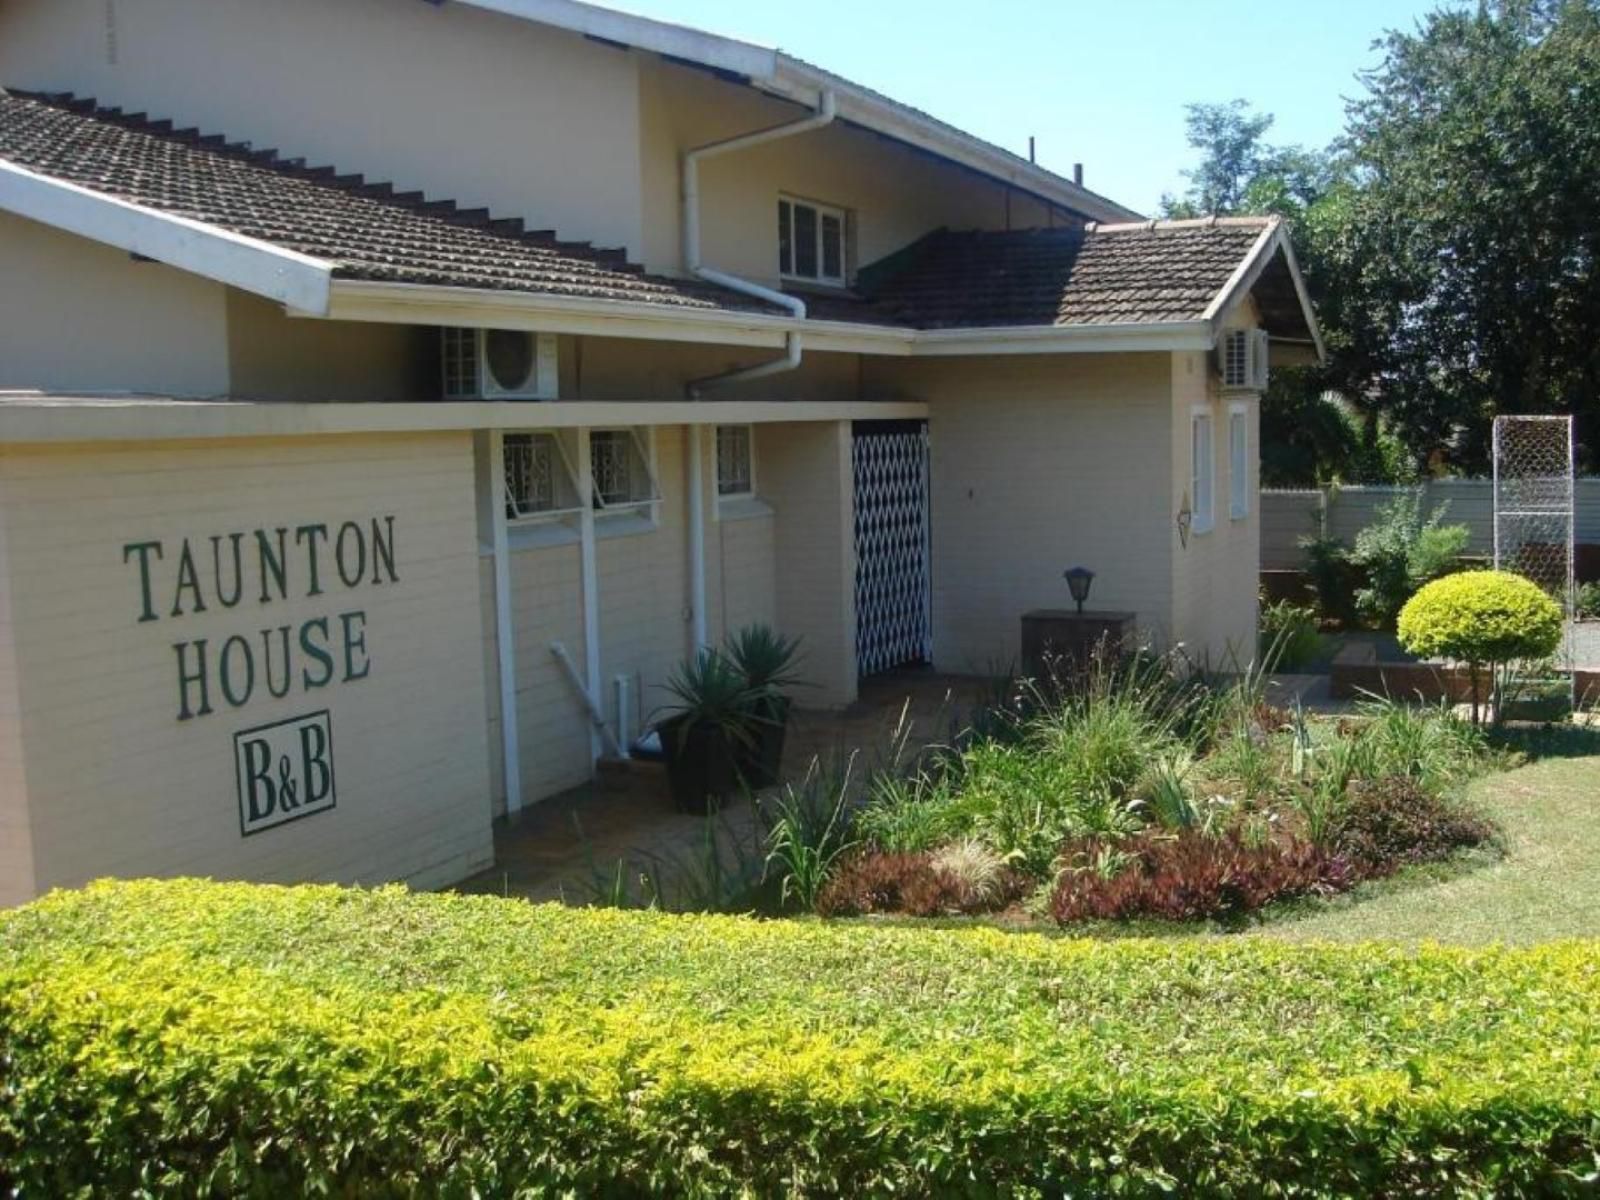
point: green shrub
(226, 1039)
(1589, 602)
(1483, 619)
(1400, 552)
(1289, 638)
(1331, 575)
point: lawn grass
(1545, 886)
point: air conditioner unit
(499, 364)
(1242, 359)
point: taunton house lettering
(257, 569)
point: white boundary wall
(1289, 515)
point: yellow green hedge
(198, 1038)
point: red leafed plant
(1192, 875)
(914, 885)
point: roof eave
(423, 304)
(804, 83)
(779, 74)
(1273, 240)
(295, 280)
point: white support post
(505, 643)
(694, 448)
(591, 583)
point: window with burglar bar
(537, 480)
(620, 463)
(735, 465)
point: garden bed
(196, 1037)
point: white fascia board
(423, 304)
(801, 82)
(296, 280)
(58, 419)
(663, 37)
(1162, 337)
(1273, 240)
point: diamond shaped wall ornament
(1185, 520)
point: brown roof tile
(1152, 272)
(368, 230)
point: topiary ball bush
(1481, 617)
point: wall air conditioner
(499, 364)
(1242, 359)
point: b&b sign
(284, 771)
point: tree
(1229, 135)
(1476, 148)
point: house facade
(393, 392)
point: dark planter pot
(703, 765)
(762, 762)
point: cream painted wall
(118, 784)
(1216, 579)
(896, 194)
(272, 356)
(447, 98)
(804, 472)
(628, 369)
(76, 315)
(1039, 464)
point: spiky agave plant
(766, 658)
(710, 690)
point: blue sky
(1102, 85)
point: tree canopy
(1448, 237)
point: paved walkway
(626, 832)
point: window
(735, 462)
(623, 476)
(1239, 462)
(1201, 472)
(538, 480)
(811, 242)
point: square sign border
(333, 774)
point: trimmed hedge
(1481, 617)
(195, 1038)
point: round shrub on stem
(1481, 618)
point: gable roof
(257, 220)
(358, 230)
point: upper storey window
(810, 241)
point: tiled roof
(368, 230)
(1150, 272)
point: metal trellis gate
(1535, 515)
(894, 626)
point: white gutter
(505, 635)
(296, 280)
(827, 111)
(695, 446)
(591, 588)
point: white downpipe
(505, 645)
(591, 588)
(695, 446)
(827, 112)
(598, 727)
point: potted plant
(766, 660)
(711, 732)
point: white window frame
(1202, 469)
(635, 516)
(1238, 461)
(562, 462)
(787, 270)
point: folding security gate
(894, 626)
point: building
(388, 384)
